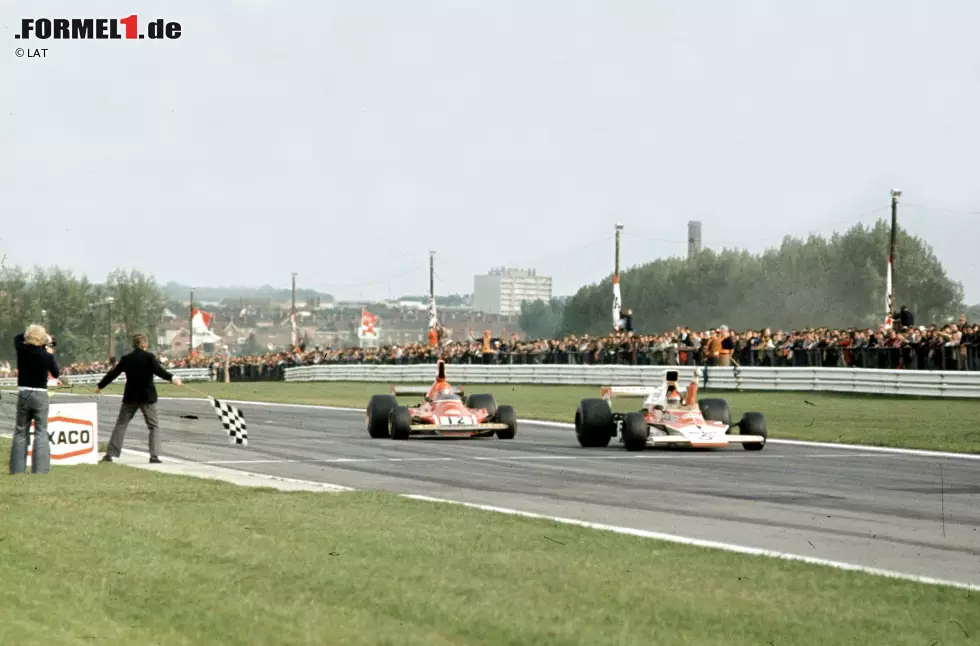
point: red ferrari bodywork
(450, 416)
(443, 411)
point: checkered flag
(233, 421)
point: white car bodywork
(676, 424)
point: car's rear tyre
(506, 415)
(483, 400)
(754, 424)
(594, 425)
(378, 409)
(635, 431)
(400, 423)
(715, 410)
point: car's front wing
(457, 429)
(712, 442)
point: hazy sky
(343, 141)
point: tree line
(174, 291)
(835, 282)
(77, 312)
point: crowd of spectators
(934, 347)
(952, 346)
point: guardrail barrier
(90, 379)
(927, 383)
(933, 383)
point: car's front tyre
(400, 423)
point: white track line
(553, 424)
(520, 458)
(728, 547)
(218, 471)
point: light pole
(190, 351)
(617, 296)
(890, 280)
(292, 312)
(44, 322)
(108, 301)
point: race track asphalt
(911, 514)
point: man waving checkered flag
(233, 421)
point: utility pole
(617, 296)
(432, 276)
(890, 296)
(190, 350)
(293, 311)
(619, 229)
(108, 302)
(433, 319)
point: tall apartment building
(502, 290)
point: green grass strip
(108, 554)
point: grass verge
(110, 554)
(917, 423)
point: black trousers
(126, 413)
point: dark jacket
(139, 367)
(33, 364)
(905, 318)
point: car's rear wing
(608, 392)
(418, 390)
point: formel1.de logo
(128, 28)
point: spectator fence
(90, 379)
(950, 358)
(936, 383)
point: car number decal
(449, 421)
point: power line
(558, 250)
(408, 271)
(853, 219)
(939, 208)
(640, 234)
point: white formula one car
(668, 417)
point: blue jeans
(32, 405)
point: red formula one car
(442, 412)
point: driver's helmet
(673, 397)
(440, 389)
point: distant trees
(231, 294)
(76, 311)
(541, 320)
(836, 282)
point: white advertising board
(73, 434)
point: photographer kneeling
(35, 360)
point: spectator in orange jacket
(713, 349)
